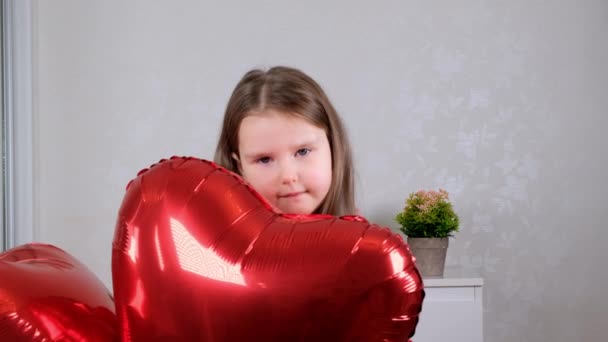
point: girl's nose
(289, 174)
(290, 179)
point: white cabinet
(452, 310)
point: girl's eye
(303, 151)
(263, 160)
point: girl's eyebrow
(305, 143)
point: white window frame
(17, 111)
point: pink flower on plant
(430, 198)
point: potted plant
(428, 220)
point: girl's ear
(238, 162)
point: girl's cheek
(262, 180)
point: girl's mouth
(291, 194)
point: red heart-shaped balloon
(48, 295)
(199, 255)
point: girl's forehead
(276, 129)
(271, 120)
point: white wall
(504, 104)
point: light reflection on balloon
(137, 301)
(159, 251)
(133, 245)
(202, 260)
(397, 261)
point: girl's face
(286, 159)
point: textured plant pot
(430, 255)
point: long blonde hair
(290, 90)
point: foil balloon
(198, 255)
(48, 295)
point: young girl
(284, 137)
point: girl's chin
(300, 210)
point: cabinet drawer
(451, 314)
